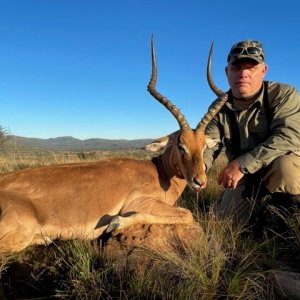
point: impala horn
(218, 103)
(162, 99)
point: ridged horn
(162, 99)
(219, 102)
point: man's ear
(210, 143)
(265, 69)
(157, 145)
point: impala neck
(171, 179)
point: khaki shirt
(260, 141)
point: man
(259, 127)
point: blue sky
(81, 68)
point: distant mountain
(70, 143)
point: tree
(3, 136)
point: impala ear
(157, 145)
(210, 143)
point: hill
(71, 143)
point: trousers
(282, 176)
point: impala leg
(178, 215)
(18, 223)
(164, 214)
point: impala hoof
(113, 225)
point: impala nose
(198, 183)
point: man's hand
(230, 175)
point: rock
(288, 283)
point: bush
(3, 136)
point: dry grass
(13, 159)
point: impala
(83, 200)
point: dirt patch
(136, 245)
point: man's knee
(284, 175)
(232, 204)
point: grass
(227, 263)
(13, 159)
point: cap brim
(235, 58)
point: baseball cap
(248, 49)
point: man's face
(245, 77)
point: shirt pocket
(258, 128)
